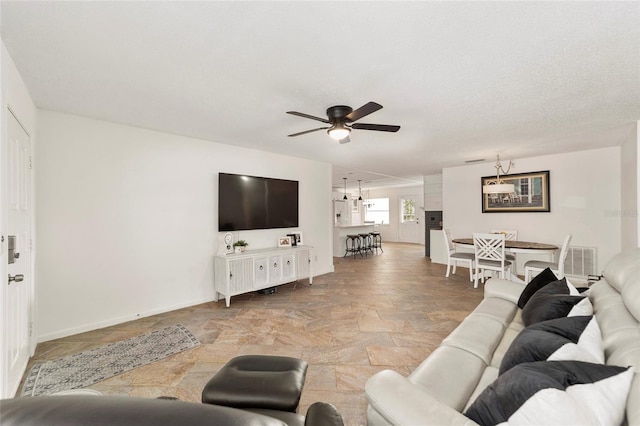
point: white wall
(391, 231)
(585, 196)
(630, 207)
(127, 219)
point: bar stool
(366, 243)
(376, 242)
(352, 245)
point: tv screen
(251, 202)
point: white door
(409, 228)
(18, 284)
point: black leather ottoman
(258, 381)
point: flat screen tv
(251, 202)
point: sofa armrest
(503, 289)
(400, 402)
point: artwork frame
(532, 194)
(284, 241)
(297, 236)
(355, 205)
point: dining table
(515, 247)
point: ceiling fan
(341, 117)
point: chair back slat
(489, 247)
(449, 239)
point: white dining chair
(489, 255)
(453, 257)
(509, 235)
(534, 267)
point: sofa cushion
(555, 392)
(570, 338)
(555, 300)
(542, 279)
(451, 374)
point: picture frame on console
(530, 193)
(284, 242)
(298, 239)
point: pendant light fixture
(359, 191)
(345, 189)
(499, 187)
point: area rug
(89, 367)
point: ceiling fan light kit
(339, 132)
(340, 118)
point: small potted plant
(240, 246)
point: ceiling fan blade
(364, 110)
(303, 115)
(378, 127)
(308, 131)
(345, 140)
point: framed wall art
(530, 193)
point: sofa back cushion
(620, 267)
(616, 305)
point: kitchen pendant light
(345, 189)
(359, 191)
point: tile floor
(387, 311)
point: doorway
(409, 229)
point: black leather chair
(89, 410)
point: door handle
(17, 278)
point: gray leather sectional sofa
(446, 384)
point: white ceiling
(465, 80)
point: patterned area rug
(89, 367)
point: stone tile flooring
(387, 311)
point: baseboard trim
(119, 320)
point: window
(524, 186)
(377, 210)
(408, 208)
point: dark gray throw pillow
(562, 339)
(553, 306)
(555, 392)
(555, 300)
(542, 279)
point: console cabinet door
(275, 269)
(289, 267)
(240, 276)
(303, 264)
(261, 272)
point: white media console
(252, 270)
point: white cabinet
(275, 269)
(253, 270)
(289, 271)
(261, 272)
(437, 246)
(303, 264)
